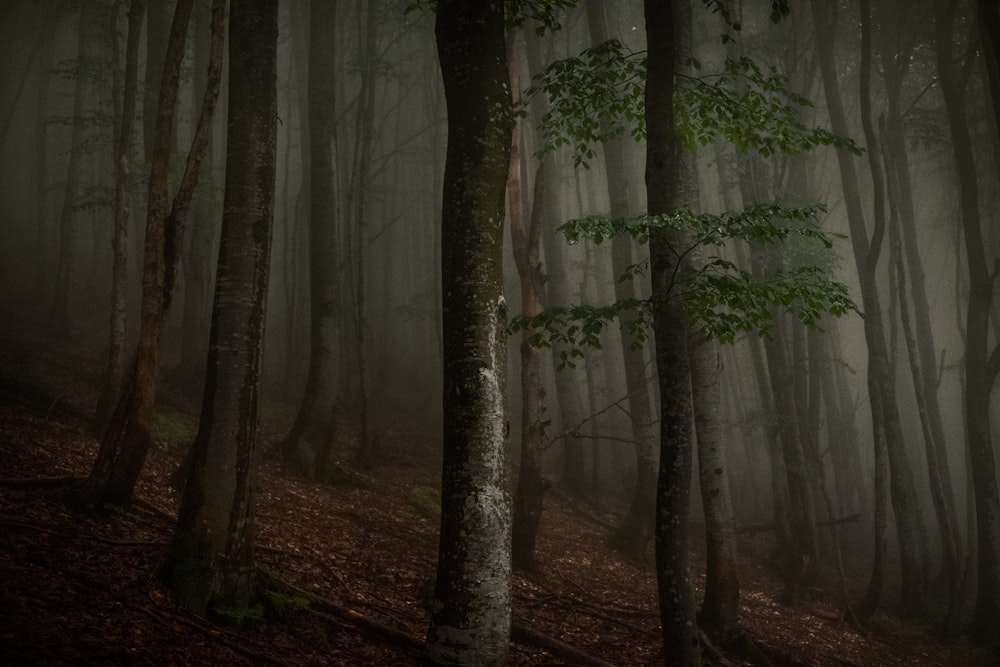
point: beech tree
(209, 563)
(125, 441)
(470, 611)
(308, 444)
(982, 362)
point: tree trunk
(59, 311)
(670, 185)
(720, 609)
(210, 562)
(470, 613)
(635, 532)
(981, 365)
(525, 235)
(126, 440)
(119, 243)
(885, 410)
(308, 444)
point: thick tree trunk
(308, 444)
(210, 562)
(670, 185)
(470, 613)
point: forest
(499, 332)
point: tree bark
(123, 150)
(126, 440)
(635, 532)
(885, 410)
(525, 232)
(210, 561)
(720, 608)
(470, 613)
(307, 446)
(669, 186)
(981, 365)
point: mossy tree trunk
(210, 562)
(470, 612)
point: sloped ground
(80, 590)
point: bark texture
(470, 612)
(981, 365)
(308, 444)
(209, 563)
(669, 185)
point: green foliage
(172, 428)
(239, 616)
(752, 109)
(594, 97)
(426, 500)
(599, 94)
(285, 605)
(721, 300)
(578, 327)
(517, 12)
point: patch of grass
(172, 428)
(426, 500)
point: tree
(209, 563)
(123, 150)
(525, 233)
(670, 185)
(886, 422)
(308, 444)
(125, 442)
(981, 365)
(470, 612)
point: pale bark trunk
(470, 612)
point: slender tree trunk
(635, 532)
(198, 258)
(308, 444)
(721, 606)
(470, 612)
(119, 243)
(981, 365)
(670, 185)
(526, 241)
(885, 410)
(210, 559)
(59, 310)
(367, 453)
(126, 440)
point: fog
(790, 391)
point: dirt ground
(79, 590)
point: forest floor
(81, 590)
